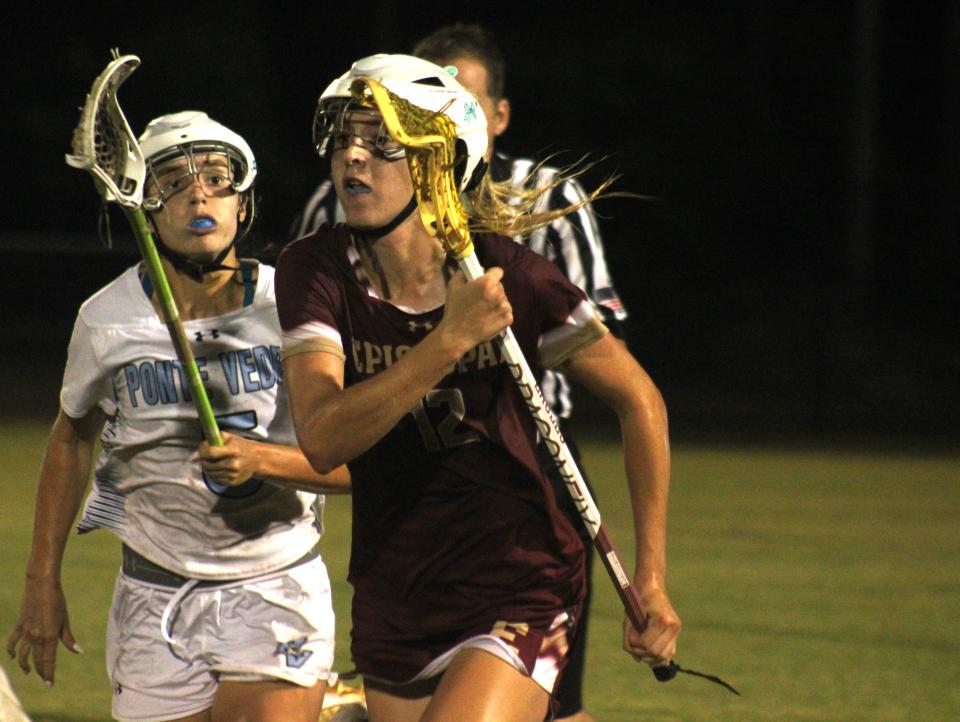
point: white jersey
(147, 487)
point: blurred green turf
(824, 584)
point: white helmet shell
(190, 130)
(427, 86)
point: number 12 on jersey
(448, 432)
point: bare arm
(239, 459)
(335, 425)
(610, 372)
(43, 619)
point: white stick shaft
(546, 423)
(567, 467)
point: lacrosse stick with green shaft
(429, 139)
(104, 145)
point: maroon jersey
(455, 526)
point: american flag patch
(608, 298)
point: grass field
(824, 584)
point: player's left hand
(657, 644)
(231, 464)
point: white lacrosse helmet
(422, 83)
(190, 132)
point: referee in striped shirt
(572, 242)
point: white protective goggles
(340, 121)
(216, 166)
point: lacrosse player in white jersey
(222, 608)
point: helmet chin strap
(183, 264)
(375, 233)
(191, 268)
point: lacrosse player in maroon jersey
(222, 608)
(572, 241)
(465, 571)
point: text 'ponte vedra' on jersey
(165, 382)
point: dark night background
(796, 273)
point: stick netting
(102, 141)
(430, 139)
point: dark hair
(466, 40)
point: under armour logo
(293, 651)
(214, 333)
(420, 326)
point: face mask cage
(216, 177)
(338, 121)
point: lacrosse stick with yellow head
(430, 139)
(104, 145)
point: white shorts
(168, 649)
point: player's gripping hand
(231, 464)
(476, 310)
(657, 644)
(42, 625)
